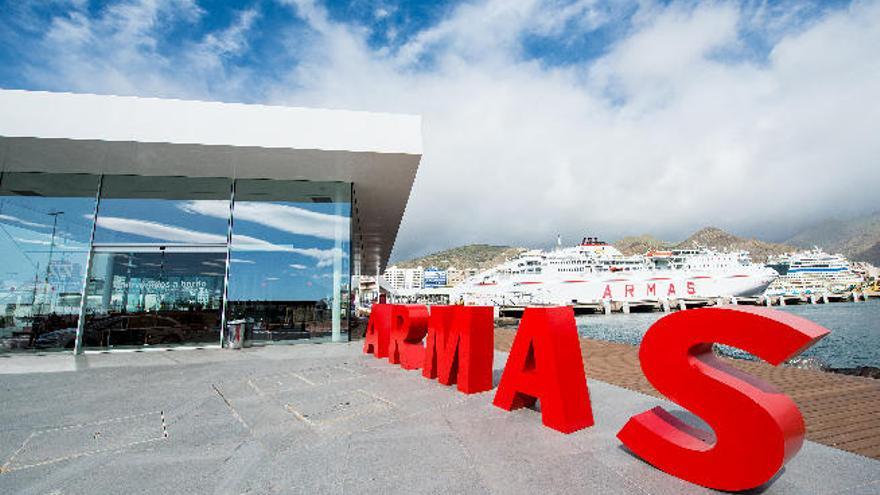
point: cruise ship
(594, 271)
(812, 272)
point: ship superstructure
(812, 272)
(594, 271)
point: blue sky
(547, 116)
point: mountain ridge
(863, 244)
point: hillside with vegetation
(480, 256)
(712, 237)
(858, 239)
(716, 238)
(641, 244)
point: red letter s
(757, 428)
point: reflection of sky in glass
(160, 221)
(26, 241)
(296, 261)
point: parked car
(124, 330)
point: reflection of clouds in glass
(239, 260)
(170, 233)
(271, 279)
(159, 231)
(297, 266)
(285, 218)
(32, 241)
(323, 256)
(10, 218)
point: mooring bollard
(665, 304)
(625, 307)
(682, 305)
(607, 305)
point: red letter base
(756, 427)
(545, 363)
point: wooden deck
(840, 411)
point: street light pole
(54, 214)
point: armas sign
(757, 428)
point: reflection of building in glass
(218, 213)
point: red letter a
(460, 347)
(757, 428)
(378, 331)
(408, 328)
(545, 363)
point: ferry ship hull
(594, 271)
(657, 287)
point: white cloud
(664, 133)
(19, 221)
(675, 126)
(283, 218)
(117, 50)
(171, 234)
(158, 231)
(297, 266)
(32, 241)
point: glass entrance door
(154, 295)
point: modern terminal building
(139, 222)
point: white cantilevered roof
(378, 153)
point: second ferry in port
(812, 272)
(594, 271)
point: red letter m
(459, 348)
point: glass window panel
(289, 267)
(159, 265)
(163, 210)
(154, 297)
(45, 227)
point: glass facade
(289, 264)
(46, 222)
(169, 260)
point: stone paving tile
(363, 426)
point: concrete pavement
(320, 419)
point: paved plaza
(320, 419)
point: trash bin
(235, 334)
(248, 332)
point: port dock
(667, 305)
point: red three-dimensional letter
(408, 328)
(460, 347)
(545, 363)
(757, 428)
(378, 331)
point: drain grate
(52, 445)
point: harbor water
(854, 340)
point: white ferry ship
(812, 272)
(594, 271)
